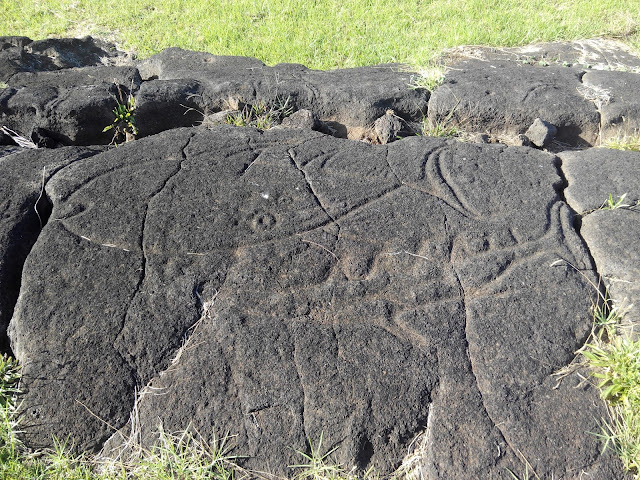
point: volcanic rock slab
(353, 97)
(506, 97)
(594, 53)
(597, 177)
(24, 208)
(586, 89)
(285, 285)
(64, 92)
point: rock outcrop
(281, 285)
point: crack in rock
(292, 156)
(466, 324)
(118, 338)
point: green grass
(180, 456)
(612, 204)
(260, 115)
(322, 34)
(614, 358)
(627, 143)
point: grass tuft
(318, 467)
(428, 78)
(628, 143)
(614, 358)
(260, 115)
(611, 204)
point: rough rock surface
(65, 107)
(21, 54)
(387, 127)
(588, 89)
(178, 88)
(506, 97)
(595, 176)
(299, 318)
(352, 97)
(616, 95)
(613, 237)
(597, 54)
(540, 133)
(23, 210)
(286, 284)
(302, 119)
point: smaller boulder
(540, 133)
(303, 118)
(481, 138)
(219, 118)
(522, 141)
(387, 127)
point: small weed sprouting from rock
(260, 115)
(613, 357)
(124, 124)
(428, 78)
(611, 204)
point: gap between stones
(40, 207)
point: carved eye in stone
(263, 221)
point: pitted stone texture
(69, 106)
(302, 119)
(612, 237)
(22, 211)
(594, 174)
(321, 286)
(504, 97)
(387, 127)
(540, 133)
(21, 54)
(353, 97)
(596, 53)
(616, 94)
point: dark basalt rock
(21, 54)
(598, 53)
(540, 133)
(596, 178)
(302, 119)
(506, 97)
(66, 107)
(284, 285)
(616, 95)
(24, 209)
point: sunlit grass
(321, 34)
